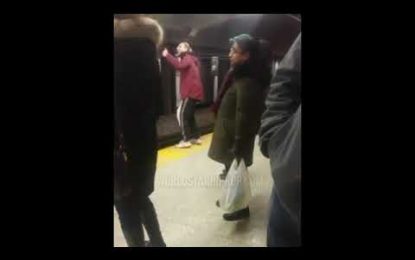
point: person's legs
(223, 175)
(236, 215)
(225, 171)
(178, 112)
(129, 214)
(239, 214)
(184, 124)
(194, 130)
(227, 166)
(151, 223)
(187, 119)
(283, 226)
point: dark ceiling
(214, 30)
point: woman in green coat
(240, 105)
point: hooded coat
(137, 87)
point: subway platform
(187, 186)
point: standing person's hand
(165, 52)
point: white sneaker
(183, 144)
(196, 141)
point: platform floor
(186, 188)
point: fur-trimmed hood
(139, 27)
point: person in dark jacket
(137, 85)
(240, 106)
(280, 140)
(191, 91)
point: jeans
(134, 214)
(284, 224)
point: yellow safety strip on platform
(171, 153)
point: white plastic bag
(237, 190)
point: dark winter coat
(284, 96)
(238, 118)
(137, 86)
(280, 140)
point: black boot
(237, 215)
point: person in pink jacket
(191, 91)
